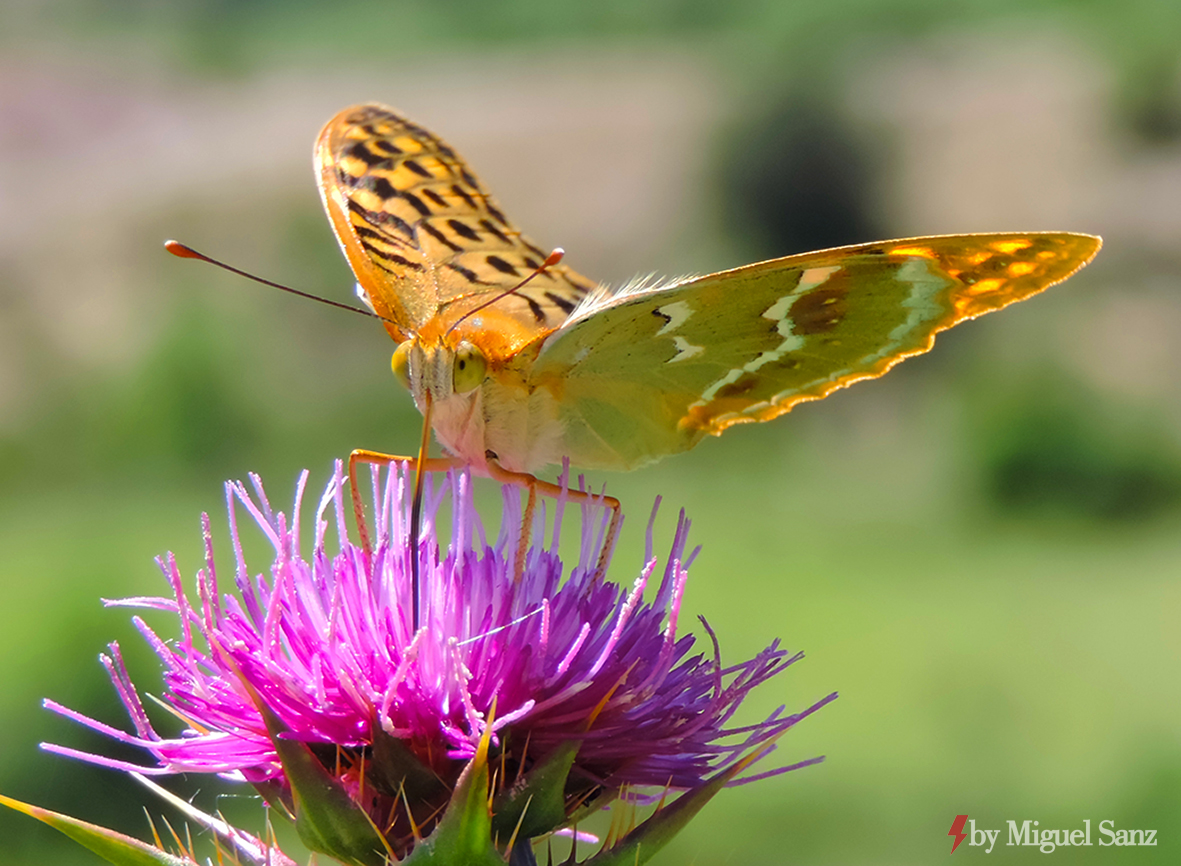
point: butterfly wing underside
(641, 375)
(420, 231)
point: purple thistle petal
(328, 645)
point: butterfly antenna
(416, 505)
(186, 252)
(550, 260)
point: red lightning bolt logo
(957, 830)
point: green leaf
(536, 803)
(111, 846)
(463, 836)
(644, 841)
(397, 770)
(326, 817)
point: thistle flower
(554, 691)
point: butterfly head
(455, 351)
(440, 369)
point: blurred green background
(980, 551)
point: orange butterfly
(517, 364)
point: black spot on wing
(534, 308)
(359, 151)
(393, 258)
(382, 220)
(417, 169)
(435, 197)
(440, 237)
(463, 194)
(386, 146)
(371, 217)
(501, 265)
(487, 226)
(382, 186)
(463, 230)
(406, 263)
(467, 273)
(417, 203)
(364, 233)
(561, 303)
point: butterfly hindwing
(648, 373)
(420, 230)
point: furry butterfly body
(562, 368)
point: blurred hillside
(980, 551)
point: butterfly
(519, 364)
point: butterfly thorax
(498, 330)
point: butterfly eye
(469, 368)
(400, 363)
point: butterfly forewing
(645, 374)
(420, 231)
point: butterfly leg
(431, 464)
(535, 485)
